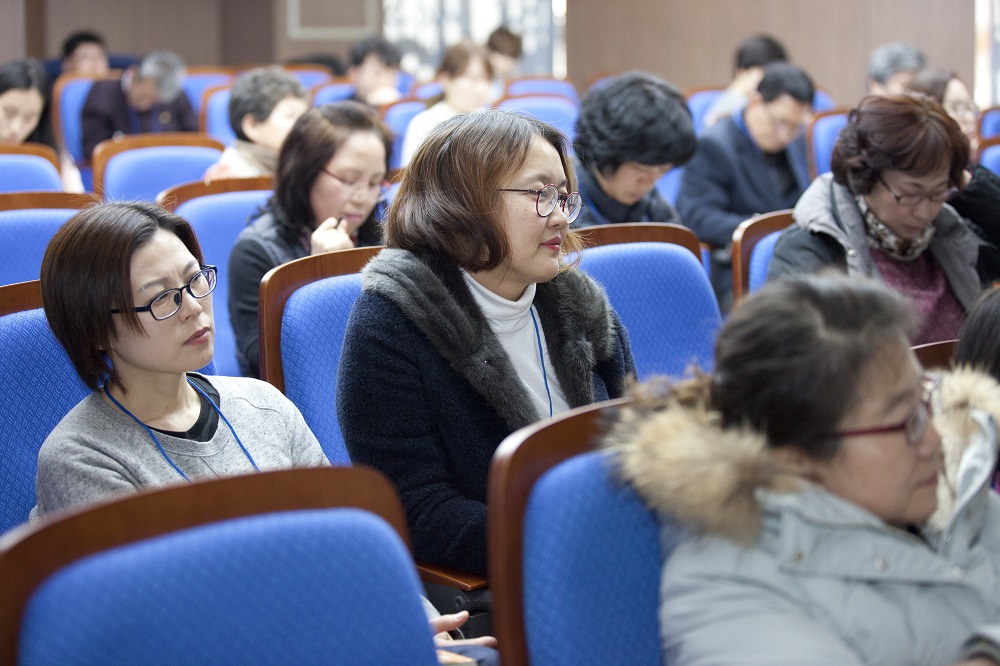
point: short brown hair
(505, 41)
(449, 204)
(932, 82)
(905, 132)
(312, 142)
(458, 56)
(87, 272)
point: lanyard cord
(541, 358)
(156, 440)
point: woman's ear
(249, 125)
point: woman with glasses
(331, 177)
(823, 528)
(472, 324)
(128, 295)
(882, 212)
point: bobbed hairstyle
(506, 42)
(784, 78)
(257, 92)
(979, 336)
(636, 117)
(759, 50)
(932, 82)
(458, 56)
(449, 205)
(910, 133)
(87, 272)
(312, 142)
(23, 74)
(789, 360)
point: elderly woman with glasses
(330, 180)
(882, 212)
(128, 295)
(473, 323)
(819, 523)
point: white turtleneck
(511, 322)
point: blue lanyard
(541, 358)
(159, 446)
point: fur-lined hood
(684, 465)
(580, 329)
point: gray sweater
(97, 451)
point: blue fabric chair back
(404, 83)
(591, 567)
(556, 110)
(823, 101)
(664, 299)
(332, 92)
(217, 123)
(218, 219)
(310, 78)
(312, 334)
(71, 101)
(397, 117)
(825, 131)
(990, 158)
(669, 185)
(143, 173)
(427, 90)
(28, 173)
(195, 84)
(989, 123)
(304, 587)
(543, 86)
(699, 103)
(24, 235)
(40, 387)
(760, 260)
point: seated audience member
(263, 105)
(472, 324)
(630, 133)
(331, 174)
(752, 55)
(329, 61)
(24, 111)
(147, 98)
(505, 48)
(374, 71)
(949, 91)
(892, 66)
(128, 295)
(815, 534)
(979, 335)
(465, 74)
(84, 53)
(881, 212)
(750, 163)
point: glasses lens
(166, 304)
(916, 425)
(202, 283)
(548, 197)
(574, 204)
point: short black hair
(784, 78)
(23, 74)
(257, 92)
(75, 39)
(381, 47)
(636, 117)
(759, 50)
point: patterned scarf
(882, 237)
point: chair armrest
(461, 580)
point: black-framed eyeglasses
(166, 303)
(909, 200)
(549, 197)
(913, 427)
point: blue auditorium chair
(556, 110)
(821, 137)
(699, 101)
(29, 167)
(199, 79)
(397, 118)
(213, 119)
(753, 247)
(532, 85)
(335, 91)
(28, 220)
(140, 166)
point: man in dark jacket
(630, 133)
(750, 163)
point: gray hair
(257, 92)
(165, 68)
(888, 59)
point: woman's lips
(200, 337)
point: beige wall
(691, 43)
(12, 30)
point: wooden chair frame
(936, 355)
(203, 109)
(172, 197)
(745, 237)
(984, 144)
(31, 553)
(641, 232)
(20, 296)
(26, 200)
(810, 157)
(518, 463)
(36, 149)
(106, 150)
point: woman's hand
(442, 625)
(330, 236)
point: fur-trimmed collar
(684, 465)
(573, 311)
